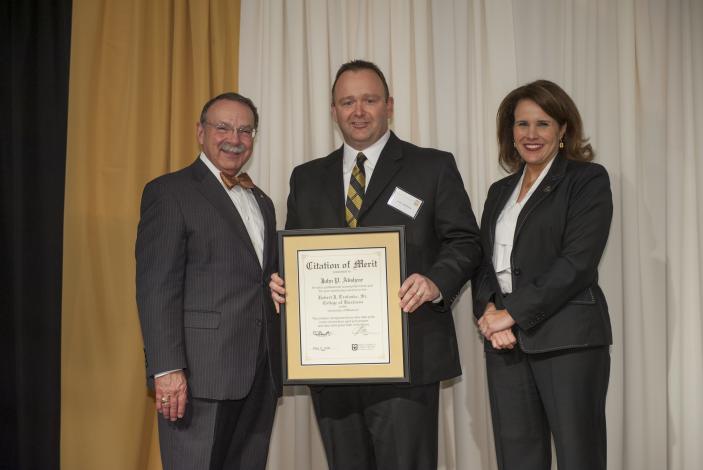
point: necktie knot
(242, 180)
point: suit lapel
(269, 225)
(212, 190)
(545, 188)
(332, 180)
(389, 162)
(506, 189)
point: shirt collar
(542, 175)
(372, 153)
(213, 169)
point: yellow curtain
(140, 73)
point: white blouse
(505, 231)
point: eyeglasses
(223, 129)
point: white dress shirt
(505, 230)
(245, 202)
(371, 153)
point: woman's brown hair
(556, 103)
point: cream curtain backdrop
(634, 68)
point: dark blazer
(203, 297)
(559, 239)
(442, 242)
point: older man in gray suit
(205, 250)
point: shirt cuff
(161, 374)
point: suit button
(259, 322)
(517, 271)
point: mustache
(227, 147)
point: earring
(561, 144)
(514, 144)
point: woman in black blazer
(543, 316)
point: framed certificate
(342, 322)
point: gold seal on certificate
(342, 321)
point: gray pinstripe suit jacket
(202, 295)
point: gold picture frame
(342, 322)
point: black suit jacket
(442, 242)
(559, 239)
(202, 295)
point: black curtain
(36, 39)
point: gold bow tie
(242, 180)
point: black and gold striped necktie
(355, 194)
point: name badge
(405, 202)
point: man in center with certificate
(376, 179)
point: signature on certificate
(321, 333)
(360, 330)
